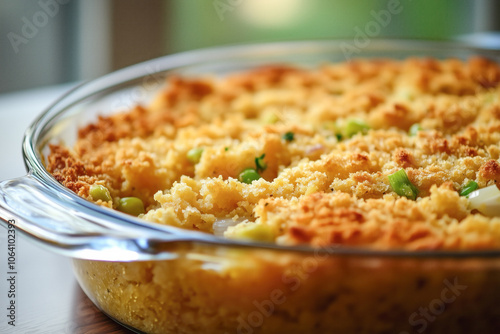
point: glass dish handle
(32, 208)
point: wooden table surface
(48, 297)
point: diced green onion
(260, 165)
(249, 175)
(469, 187)
(333, 127)
(354, 126)
(194, 155)
(289, 136)
(131, 205)
(486, 201)
(402, 186)
(414, 129)
(99, 192)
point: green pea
(194, 155)
(98, 192)
(248, 175)
(131, 205)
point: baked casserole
(373, 154)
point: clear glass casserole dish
(161, 279)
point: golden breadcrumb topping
(303, 156)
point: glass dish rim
(34, 133)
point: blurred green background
(82, 39)
(205, 23)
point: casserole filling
(371, 153)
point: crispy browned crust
(315, 190)
(491, 171)
(68, 170)
(328, 219)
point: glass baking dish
(160, 279)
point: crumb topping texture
(323, 142)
